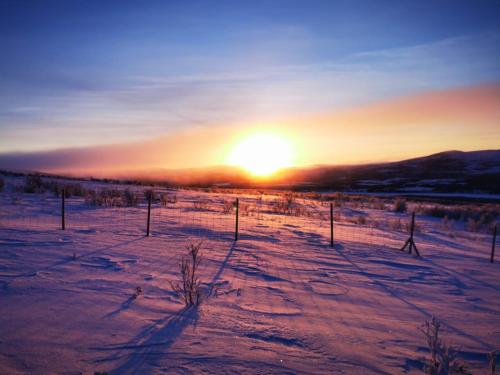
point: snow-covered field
(279, 300)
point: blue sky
(79, 73)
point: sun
(262, 154)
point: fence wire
(196, 216)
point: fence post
(63, 209)
(331, 224)
(410, 242)
(237, 217)
(149, 212)
(493, 244)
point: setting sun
(262, 154)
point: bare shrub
(407, 226)
(227, 206)
(477, 217)
(201, 206)
(246, 209)
(111, 198)
(70, 189)
(283, 204)
(188, 286)
(443, 360)
(33, 184)
(400, 205)
(476, 225)
(167, 198)
(338, 199)
(287, 205)
(129, 198)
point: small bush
(443, 358)
(400, 205)
(201, 205)
(188, 286)
(2, 184)
(111, 198)
(70, 190)
(129, 198)
(478, 217)
(33, 184)
(288, 205)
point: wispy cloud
(140, 106)
(388, 130)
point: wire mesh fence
(195, 216)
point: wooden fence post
(331, 224)
(237, 205)
(493, 244)
(63, 209)
(410, 242)
(150, 195)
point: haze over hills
(444, 172)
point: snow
(279, 300)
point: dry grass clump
(34, 184)
(480, 217)
(201, 205)
(402, 225)
(443, 358)
(167, 198)
(112, 198)
(287, 204)
(338, 201)
(246, 209)
(228, 206)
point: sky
(177, 83)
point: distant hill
(450, 171)
(444, 172)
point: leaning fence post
(149, 212)
(331, 224)
(237, 205)
(63, 218)
(493, 244)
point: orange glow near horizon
(463, 119)
(262, 154)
